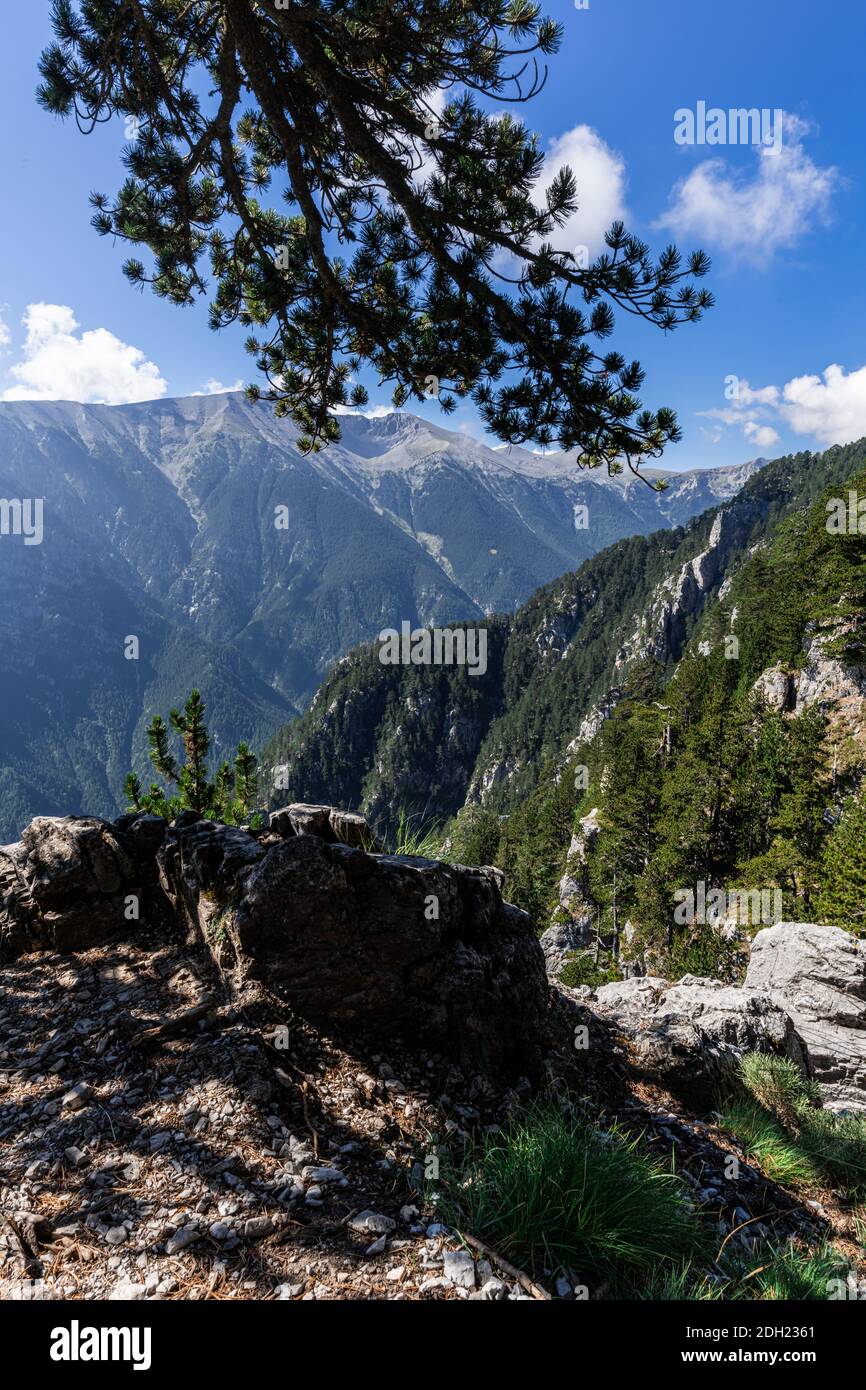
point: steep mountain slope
(726, 796)
(245, 568)
(430, 738)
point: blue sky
(786, 230)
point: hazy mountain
(197, 527)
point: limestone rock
(776, 687)
(563, 938)
(574, 920)
(690, 1034)
(818, 974)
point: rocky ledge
(374, 947)
(369, 945)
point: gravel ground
(160, 1141)
(217, 1162)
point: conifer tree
(633, 753)
(160, 754)
(796, 829)
(132, 791)
(222, 787)
(246, 782)
(195, 790)
(230, 797)
(842, 898)
(293, 161)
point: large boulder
(690, 1035)
(370, 946)
(69, 883)
(818, 974)
(338, 827)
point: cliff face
(835, 687)
(678, 601)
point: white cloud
(748, 410)
(59, 363)
(601, 180)
(832, 407)
(762, 435)
(764, 395)
(216, 388)
(753, 218)
(5, 335)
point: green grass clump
(838, 1144)
(777, 1084)
(773, 1149)
(791, 1273)
(681, 1283)
(551, 1192)
(413, 837)
(807, 1137)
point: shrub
(581, 969)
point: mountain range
(189, 542)
(431, 740)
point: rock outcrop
(562, 939)
(370, 946)
(72, 881)
(837, 689)
(689, 1035)
(575, 914)
(818, 975)
(338, 827)
(804, 997)
(663, 626)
